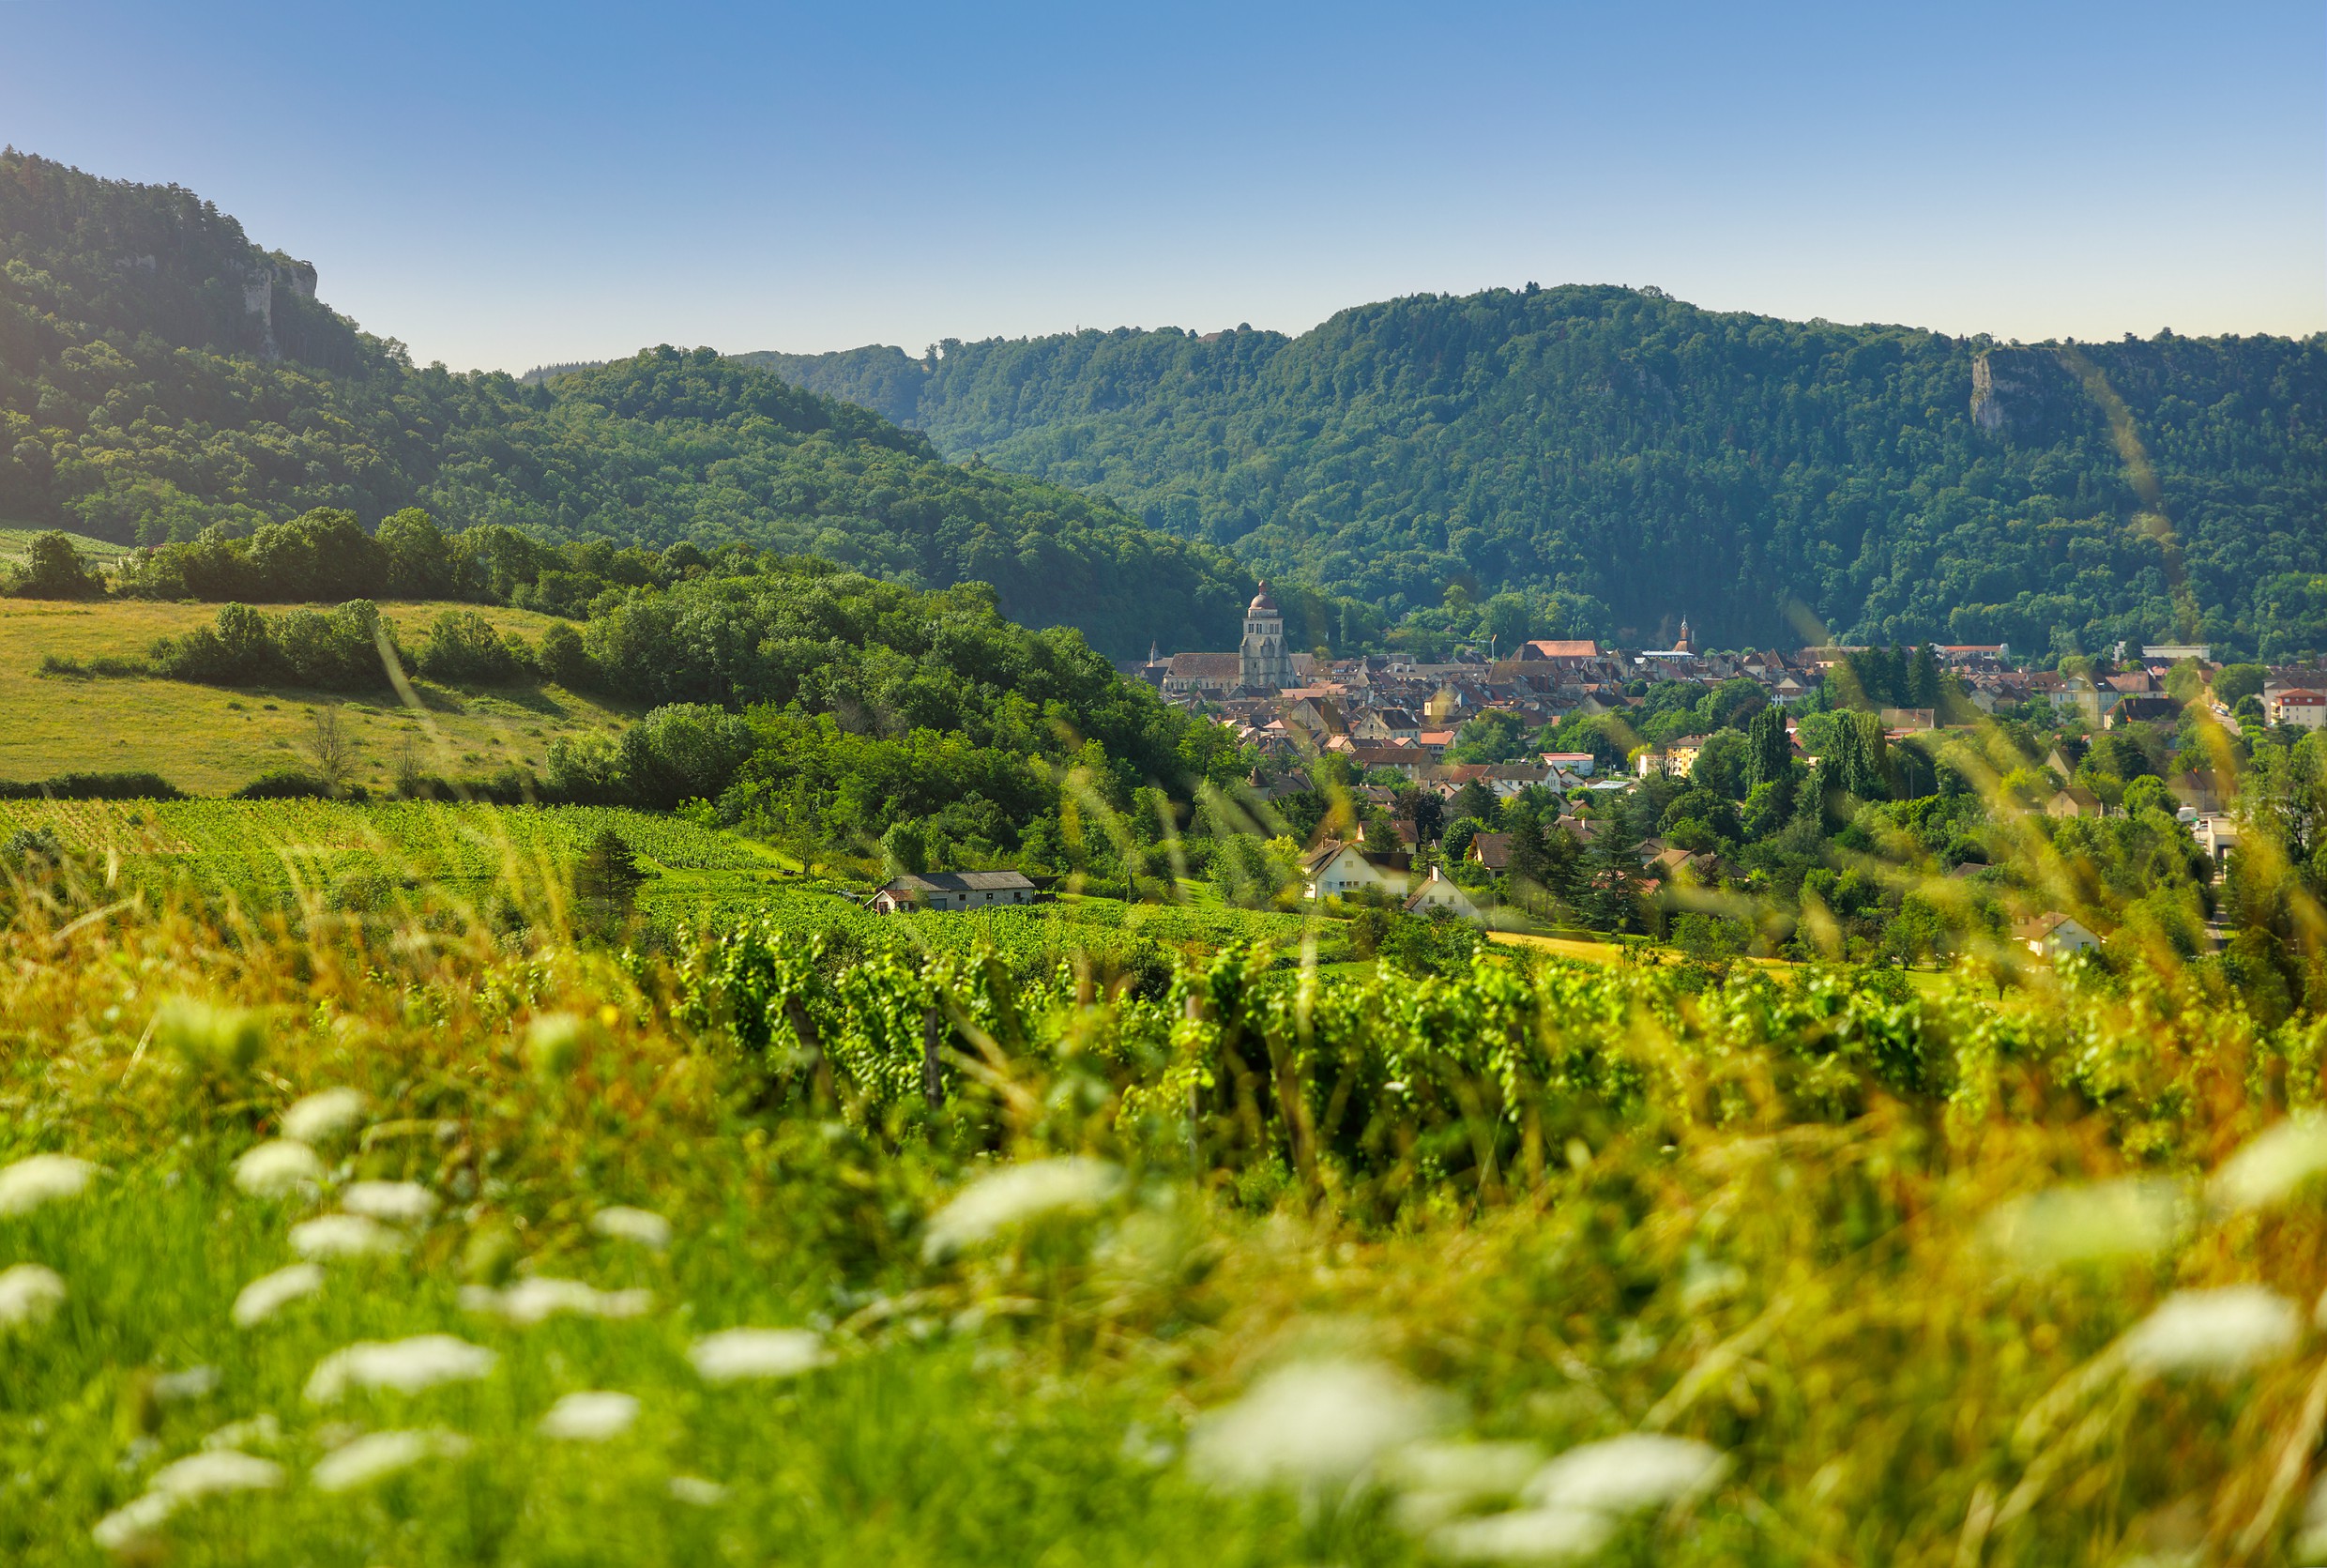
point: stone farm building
(953, 890)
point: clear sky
(502, 185)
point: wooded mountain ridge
(160, 373)
(1618, 458)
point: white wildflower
(1472, 1468)
(366, 1459)
(1621, 1475)
(268, 1294)
(2218, 1332)
(195, 1383)
(641, 1226)
(590, 1418)
(532, 1301)
(397, 1202)
(324, 1116)
(132, 1522)
(1314, 1423)
(27, 1184)
(1013, 1195)
(1529, 1535)
(197, 1475)
(261, 1430)
(2090, 1222)
(696, 1491)
(407, 1365)
(2270, 1166)
(223, 1470)
(29, 1294)
(1439, 1481)
(284, 1167)
(343, 1236)
(734, 1354)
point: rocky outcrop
(2019, 391)
(259, 282)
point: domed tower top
(1262, 605)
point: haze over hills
(1618, 458)
(160, 374)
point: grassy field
(210, 741)
(1561, 1266)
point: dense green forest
(1617, 458)
(160, 374)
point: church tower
(1687, 643)
(1262, 663)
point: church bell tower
(1262, 662)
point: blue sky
(505, 185)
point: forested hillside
(160, 373)
(1621, 458)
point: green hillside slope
(160, 373)
(1620, 458)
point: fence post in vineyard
(933, 1087)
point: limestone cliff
(2019, 392)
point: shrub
(564, 660)
(464, 649)
(295, 784)
(93, 786)
(53, 569)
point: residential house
(1678, 865)
(2076, 801)
(1436, 892)
(1334, 870)
(2301, 706)
(1678, 760)
(1504, 778)
(1408, 760)
(2051, 935)
(1578, 763)
(1385, 725)
(2200, 787)
(2081, 693)
(2144, 709)
(951, 889)
(1974, 656)
(1491, 850)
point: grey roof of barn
(965, 881)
